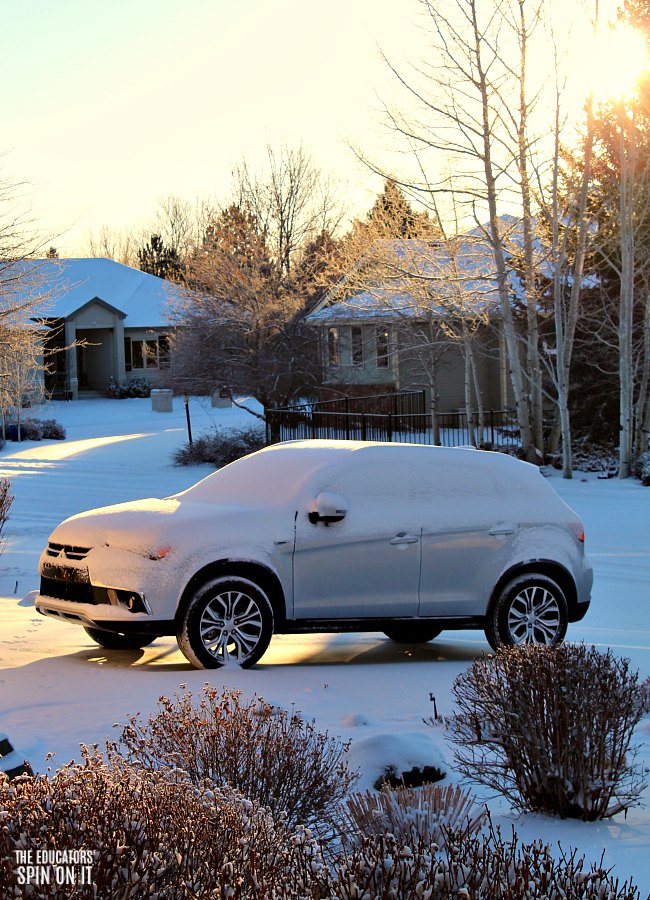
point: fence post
(363, 426)
(390, 427)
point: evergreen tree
(392, 216)
(158, 259)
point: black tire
(111, 640)
(228, 620)
(412, 632)
(530, 609)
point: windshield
(266, 477)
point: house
(417, 314)
(103, 322)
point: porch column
(118, 351)
(72, 381)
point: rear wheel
(530, 609)
(111, 640)
(228, 620)
(412, 632)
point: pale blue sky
(110, 106)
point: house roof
(417, 278)
(67, 285)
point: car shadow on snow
(367, 649)
(288, 651)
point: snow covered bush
(221, 447)
(272, 756)
(550, 728)
(5, 502)
(642, 468)
(31, 430)
(52, 430)
(147, 833)
(409, 813)
(143, 833)
(470, 866)
(134, 387)
(37, 429)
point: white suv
(326, 536)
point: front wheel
(111, 640)
(228, 620)
(411, 632)
(530, 609)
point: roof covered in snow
(423, 278)
(67, 285)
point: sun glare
(614, 59)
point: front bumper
(106, 618)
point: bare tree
(108, 243)
(291, 201)
(474, 109)
(23, 301)
(250, 279)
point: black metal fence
(399, 417)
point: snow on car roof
(277, 471)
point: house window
(149, 354)
(333, 351)
(356, 344)
(163, 351)
(382, 347)
(137, 354)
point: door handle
(502, 529)
(403, 538)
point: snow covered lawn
(58, 688)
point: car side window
(457, 495)
(373, 490)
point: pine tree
(158, 259)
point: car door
(367, 564)
(467, 534)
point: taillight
(580, 533)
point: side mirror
(328, 508)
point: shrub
(150, 834)
(470, 865)
(550, 729)
(221, 447)
(409, 813)
(6, 499)
(415, 777)
(134, 387)
(52, 430)
(272, 756)
(31, 430)
(642, 468)
(156, 833)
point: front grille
(66, 551)
(74, 591)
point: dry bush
(550, 729)
(481, 866)
(6, 499)
(221, 446)
(151, 834)
(272, 756)
(408, 813)
(157, 834)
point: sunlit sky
(109, 107)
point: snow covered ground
(57, 688)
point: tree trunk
(626, 303)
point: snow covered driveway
(58, 688)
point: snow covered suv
(326, 536)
